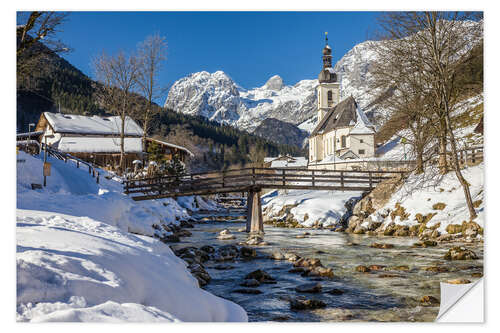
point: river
(385, 295)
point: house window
(361, 141)
(330, 96)
(361, 152)
(343, 138)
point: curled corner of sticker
(451, 294)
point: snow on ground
(418, 195)
(73, 191)
(77, 268)
(78, 261)
(325, 207)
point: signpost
(46, 166)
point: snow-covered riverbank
(78, 261)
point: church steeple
(327, 75)
(327, 54)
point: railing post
(370, 175)
(473, 156)
(283, 176)
(78, 164)
(312, 172)
(97, 179)
(89, 170)
(253, 176)
(341, 178)
(223, 184)
(93, 172)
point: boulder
(307, 263)
(207, 249)
(260, 276)
(250, 283)
(248, 252)
(306, 304)
(223, 267)
(309, 288)
(335, 291)
(398, 268)
(298, 270)
(429, 300)
(376, 267)
(362, 269)
(321, 272)
(460, 253)
(247, 291)
(225, 235)
(382, 246)
(277, 255)
(436, 269)
(453, 228)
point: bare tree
(433, 44)
(117, 76)
(152, 53)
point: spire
(327, 74)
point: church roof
(340, 116)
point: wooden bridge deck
(253, 180)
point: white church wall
(362, 145)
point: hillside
(59, 85)
(281, 132)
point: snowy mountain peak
(274, 83)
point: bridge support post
(255, 222)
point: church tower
(328, 90)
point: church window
(361, 152)
(330, 97)
(343, 138)
(361, 141)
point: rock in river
(460, 253)
(335, 291)
(362, 269)
(306, 304)
(225, 235)
(309, 288)
(250, 283)
(260, 276)
(248, 252)
(429, 301)
(382, 246)
(248, 291)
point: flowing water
(386, 295)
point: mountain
(217, 97)
(281, 132)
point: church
(343, 131)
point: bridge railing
(237, 180)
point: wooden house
(92, 138)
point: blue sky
(249, 46)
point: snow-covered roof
(98, 145)
(291, 162)
(363, 125)
(28, 134)
(172, 145)
(71, 123)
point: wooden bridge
(252, 181)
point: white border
(492, 119)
